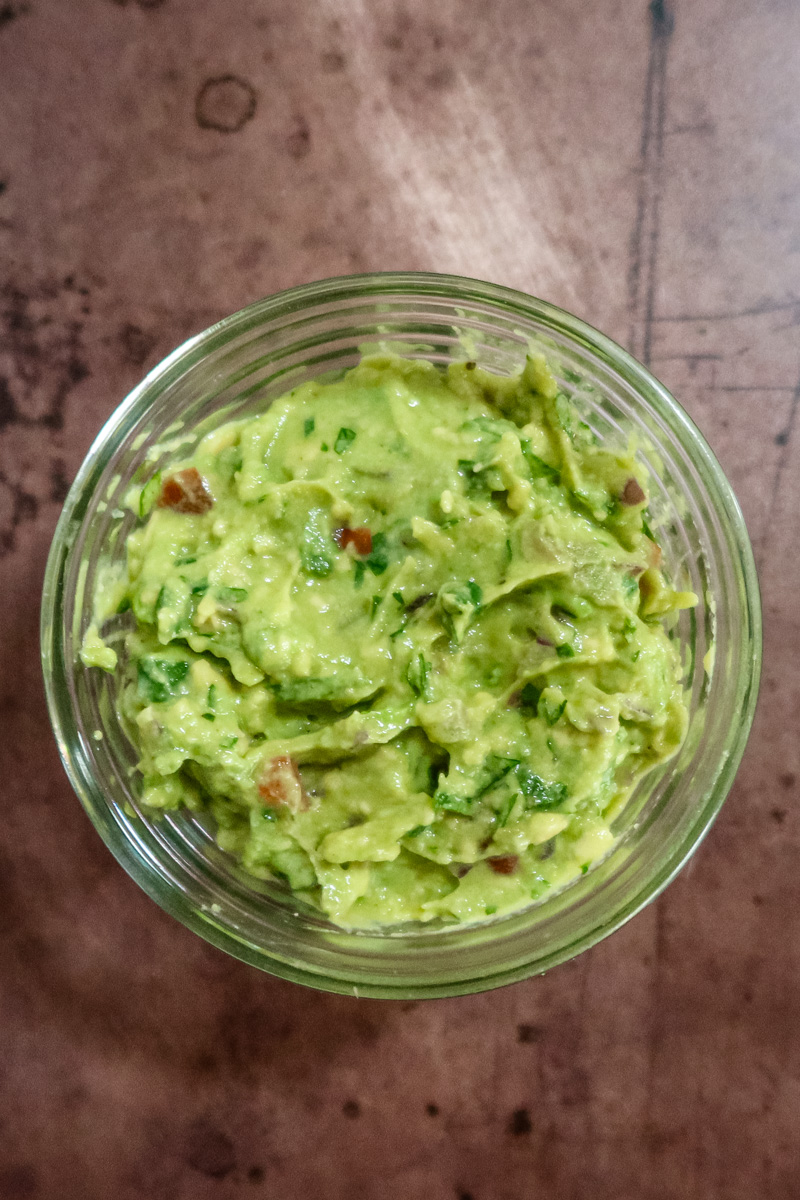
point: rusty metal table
(164, 162)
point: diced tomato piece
(360, 538)
(504, 864)
(280, 784)
(632, 493)
(185, 492)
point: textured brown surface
(165, 162)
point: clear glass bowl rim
(449, 289)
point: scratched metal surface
(164, 162)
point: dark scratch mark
(785, 437)
(642, 273)
(700, 127)
(758, 310)
(657, 1007)
(689, 358)
(225, 103)
(743, 387)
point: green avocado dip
(404, 636)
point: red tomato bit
(504, 864)
(185, 492)
(280, 784)
(360, 538)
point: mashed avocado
(405, 637)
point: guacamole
(404, 636)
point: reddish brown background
(640, 166)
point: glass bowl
(240, 365)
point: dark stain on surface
(298, 143)
(778, 815)
(225, 103)
(255, 1174)
(332, 62)
(135, 344)
(782, 438)
(432, 1110)
(24, 507)
(441, 79)
(144, 4)
(529, 1033)
(351, 1109)
(8, 409)
(787, 780)
(10, 12)
(464, 1195)
(209, 1150)
(519, 1122)
(18, 1182)
(3, 186)
(59, 484)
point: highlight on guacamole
(405, 636)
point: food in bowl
(405, 636)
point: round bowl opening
(239, 366)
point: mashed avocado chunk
(404, 636)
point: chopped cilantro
(208, 716)
(200, 588)
(565, 651)
(378, 558)
(416, 831)
(490, 909)
(159, 678)
(358, 574)
(308, 426)
(376, 601)
(228, 743)
(447, 802)
(315, 548)
(231, 595)
(398, 596)
(529, 696)
(344, 439)
(505, 809)
(149, 494)
(537, 793)
(417, 674)
(538, 468)
(551, 712)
